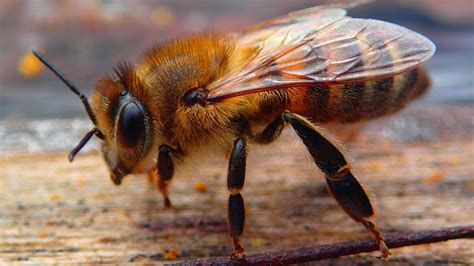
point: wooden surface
(418, 164)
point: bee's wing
(292, 27)
(320, 46)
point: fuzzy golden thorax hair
(159, 81)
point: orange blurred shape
(42, 233)
(171, 255)
(162, 17)
(80, 182)
(434, 178)
(374, 166)
(54, 197)
(29, 66)
(200, 186)
(469, 185)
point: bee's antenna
(82, 143)
(84, 100)
(68, 83)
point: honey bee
(316, 65)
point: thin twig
(344, 248)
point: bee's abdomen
(345, 103)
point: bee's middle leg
(235, 183)
(348, 192)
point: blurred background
(87, 38)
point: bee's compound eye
(131, 124)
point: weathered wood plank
(53, 211)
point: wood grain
(417, 163)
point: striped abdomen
(345, 103)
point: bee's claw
(385, 253)
(238, 255)
(167, 203)
(379, 239)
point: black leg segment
(326, 156)
(351, 196)
(165, 172)
(165, 163)
(235, 183)
(270, 132)
(237, 165)
(348, 192)
(236, 214)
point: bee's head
(121, 119)
(119, 103)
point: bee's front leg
(235, 183)
(348, 192)
(165, 167)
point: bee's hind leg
(341, 182)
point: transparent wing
(321, 46)
(289, 29)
